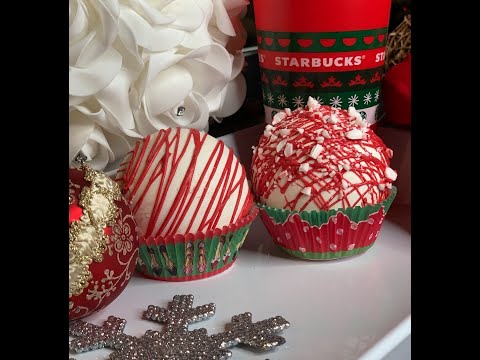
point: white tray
(357, 308)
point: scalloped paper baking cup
(193, 256)
(326, 235)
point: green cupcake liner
(356, 214)
(325, 235)
(193, 256)
(325, 255)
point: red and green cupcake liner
(193, 256)
(326, 235)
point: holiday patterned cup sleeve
(324, 235)
(193, 256)
(331, 50)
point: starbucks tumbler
(332, 50)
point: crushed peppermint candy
(354, 134)
(280, 145)
(288, 150)
(283, 174)
(312, 103)
(307, 191)
(304, 167)
(333, 119)
(316, 150)
(323, 134)
(278, 117)
(390, 173)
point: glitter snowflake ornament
(177, 342)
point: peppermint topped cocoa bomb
(320, 158)
(181, 181)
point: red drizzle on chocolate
(149, 173)
(323, 174)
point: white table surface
(356, 308)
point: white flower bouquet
(138, 66)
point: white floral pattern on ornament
(122, 236)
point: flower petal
(160, 121)
(78, 21)
(88, 81)
(216, 56)
(212, 73)
(201, 36)
(143, 125)
(196, 104)
(108, 11)
(168, 89)
(196, 115)
(119, 145)
(158, 63)
(187, 13)
(164, 38)
(154, 38)
(105, 32)
(218, 36)
(235, 7)
(76, 100)
(238, 64)
(97, 149)
(232, 97)
(222, 18)
(131, 56)
(152, 13)
(79, 130)
(114, 97)
(75, 49)
(103, 118)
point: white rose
(99, 119)
(137, 66)
(93, 61)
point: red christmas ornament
(103, 246)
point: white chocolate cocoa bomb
(181, 181)
(320, 158)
